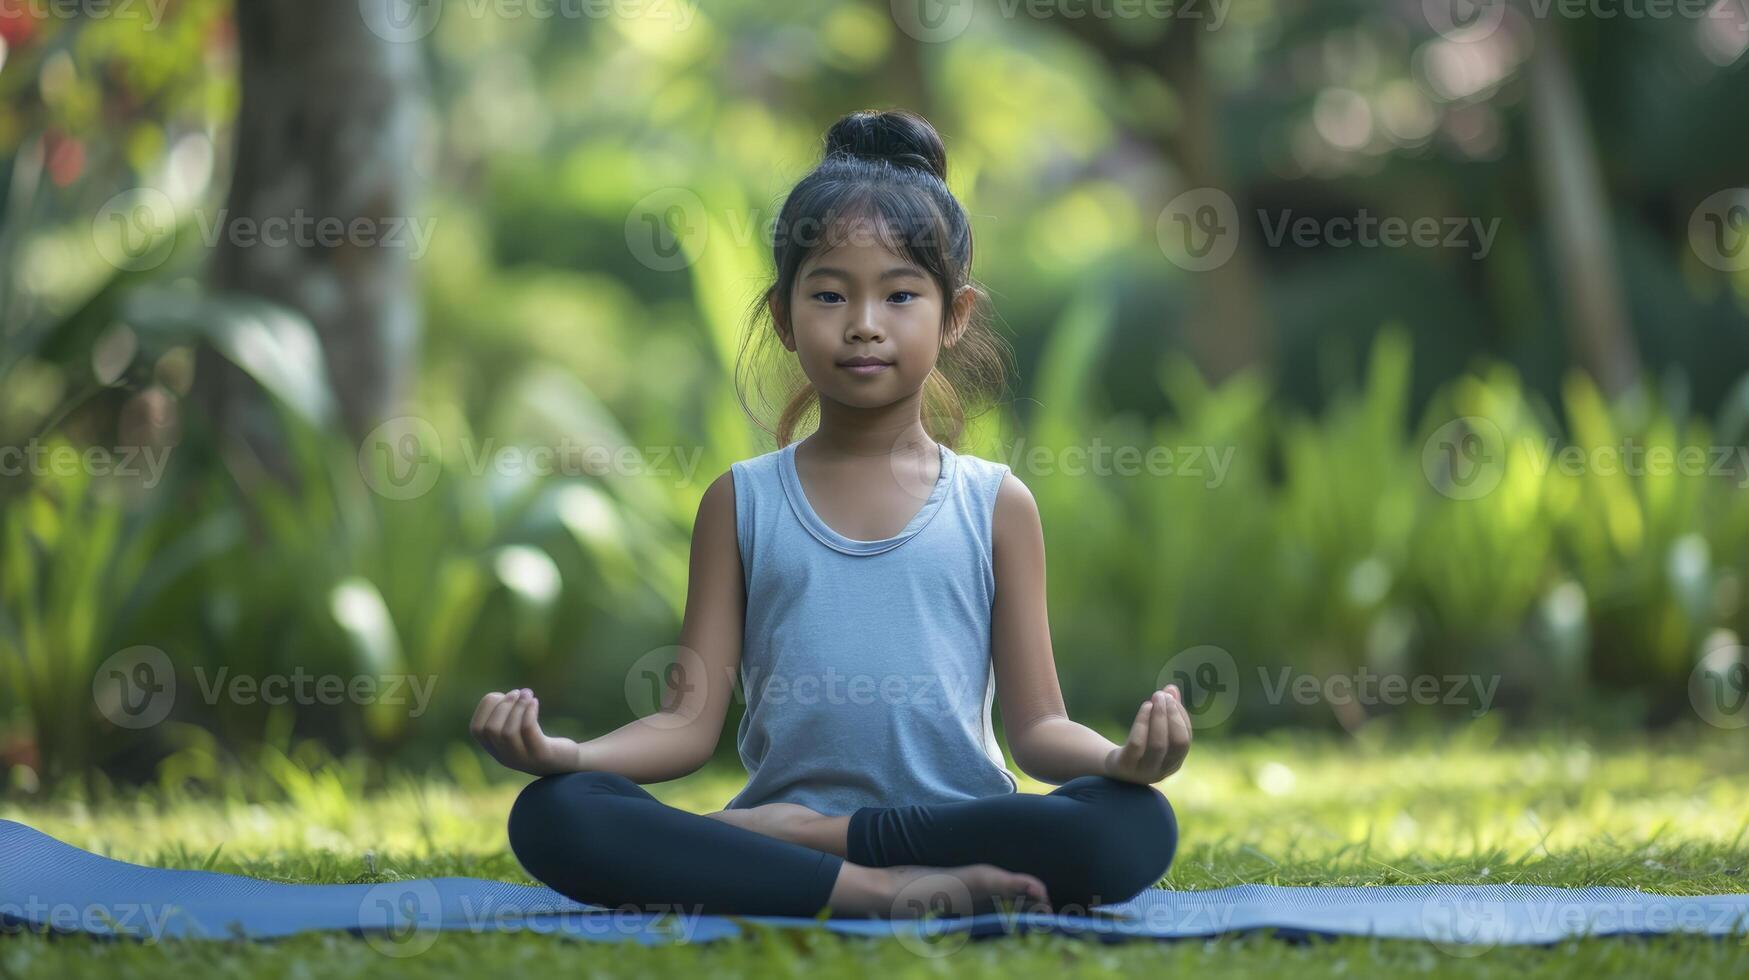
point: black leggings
(601, 839)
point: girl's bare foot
(912, 891)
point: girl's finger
(1139, 727)
(477, 723)
(513, 726)
(1159, 733)
(495, 721)
(490, 735)
(1133, 744)
(531, 733)
(1180, 739)
(1181, 727)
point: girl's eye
(827, 297)
(904, 292)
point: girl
(875, 590)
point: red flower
(16, 22)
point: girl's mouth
(865, 369)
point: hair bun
(897, 136)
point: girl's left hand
(1159, 740)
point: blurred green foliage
(1328, 542)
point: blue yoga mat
(46, 884)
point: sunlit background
(565, 211)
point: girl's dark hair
(882, 174)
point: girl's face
(859, 302)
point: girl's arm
(1046, 744)
(681, 736)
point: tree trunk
(1228, 329)
(325, 133)
(1577, 214)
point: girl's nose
(863, 327)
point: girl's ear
(961, 318)
(780, 322)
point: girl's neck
(846, 430)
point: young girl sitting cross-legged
(874, 591)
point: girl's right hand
(507, 726)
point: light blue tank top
(865, 665)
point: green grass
(1671, 815)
